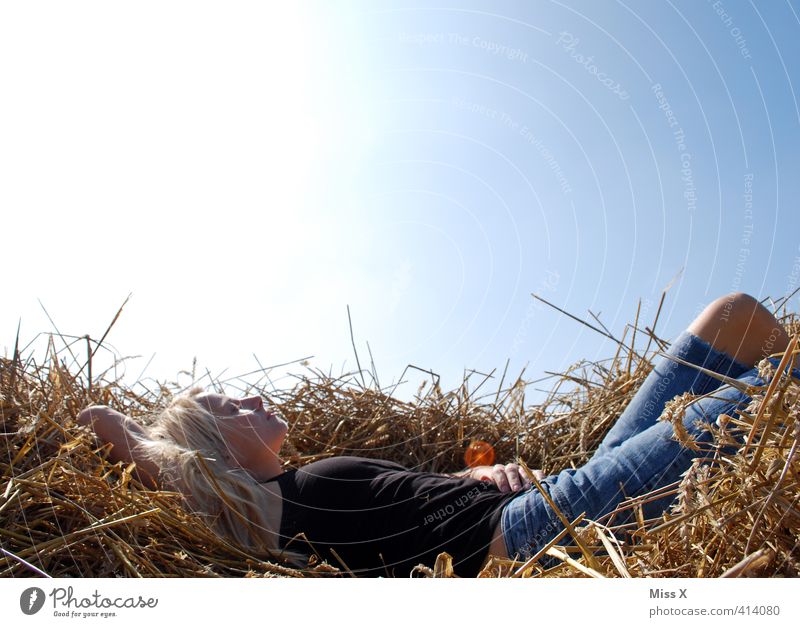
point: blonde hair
(186, 444)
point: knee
(735, 308)
(738, 324)
(736, 312)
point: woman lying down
(381, 519)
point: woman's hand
(507, 478)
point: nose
(252, 402)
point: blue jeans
(638, 454)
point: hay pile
(65, 511)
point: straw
(66, 512)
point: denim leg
(667, 380)
(648, 460)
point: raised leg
(646, 461)
(640, 453)
(735, 332)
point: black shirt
(383, 519)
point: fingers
(512, 477)
(509, 477)
(500, 479)
(515, 477)
(526, 482)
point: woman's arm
(122, 433)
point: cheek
(274, 435)
(281, 431)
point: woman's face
(254, 434)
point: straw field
(65, 511)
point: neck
(264, 468)
(261, 462)
(268, 470)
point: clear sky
(247, 170)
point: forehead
(212, 401)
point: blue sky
(248, 174)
